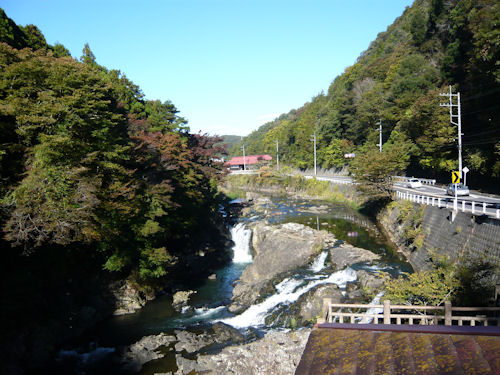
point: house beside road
(248, 162)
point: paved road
(440, 192)
(437, 191)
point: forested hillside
(97, 184)
(397, 80)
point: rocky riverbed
(278, 251)
(254, 316)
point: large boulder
(311, 303)
(145, 350)
(128, 299)
(181, 299)
(278, 249)
(366, 287)
(277, 353)
(343, 255)
(219, 333)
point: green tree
(88, 56)
(373, 170)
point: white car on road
(413, 183)
(461, 189)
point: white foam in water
(375, 310)
(319, 262)
(205, 312)
(241, 238)
(286, 293)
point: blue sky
(229, 66)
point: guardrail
(426, 181)
(241, 171)
(401, 314)
(475, 208)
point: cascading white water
(319, 262)
(241, 238)
(286, 293)
(375, 310)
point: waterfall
(375, 310)
(319, 262)
(287, 291)
(241, 238)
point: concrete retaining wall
(450, 234)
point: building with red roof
(248, 162)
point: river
(97, 350)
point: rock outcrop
(310, 304)
(145, 350)
(181, 299)
(219, 333)
(128, 299)
(278, 249)
(344, 255)
(282, 248)
(277, 353)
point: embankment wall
(446, 233)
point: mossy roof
(337, 350)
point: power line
(480, 134)
(482, 143)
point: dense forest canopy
(88, 163)
(397, 80)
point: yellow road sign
(455, 177)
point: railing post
(473, 204)
(484, 207)
(463, 206)
(432, 201)
(439, 202)
(447, 313)
(387, 311)
(326, 311)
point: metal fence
(475, 208)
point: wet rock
(366, 287)
(219, 333)
(354, 294)
(278, 249)
(344, 255)
(277, 353)
(145, 350)
(187, 366)
(372, 283)
(128, 299)
(181, 299)
(311, 303)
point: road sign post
(455, 179)
(465, 170)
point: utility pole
(244, 159)
(277, 156)
(379, 123)
(314, 140)
(458, 122)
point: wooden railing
(409, 314)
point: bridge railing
(408, 314)
(475, 208)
